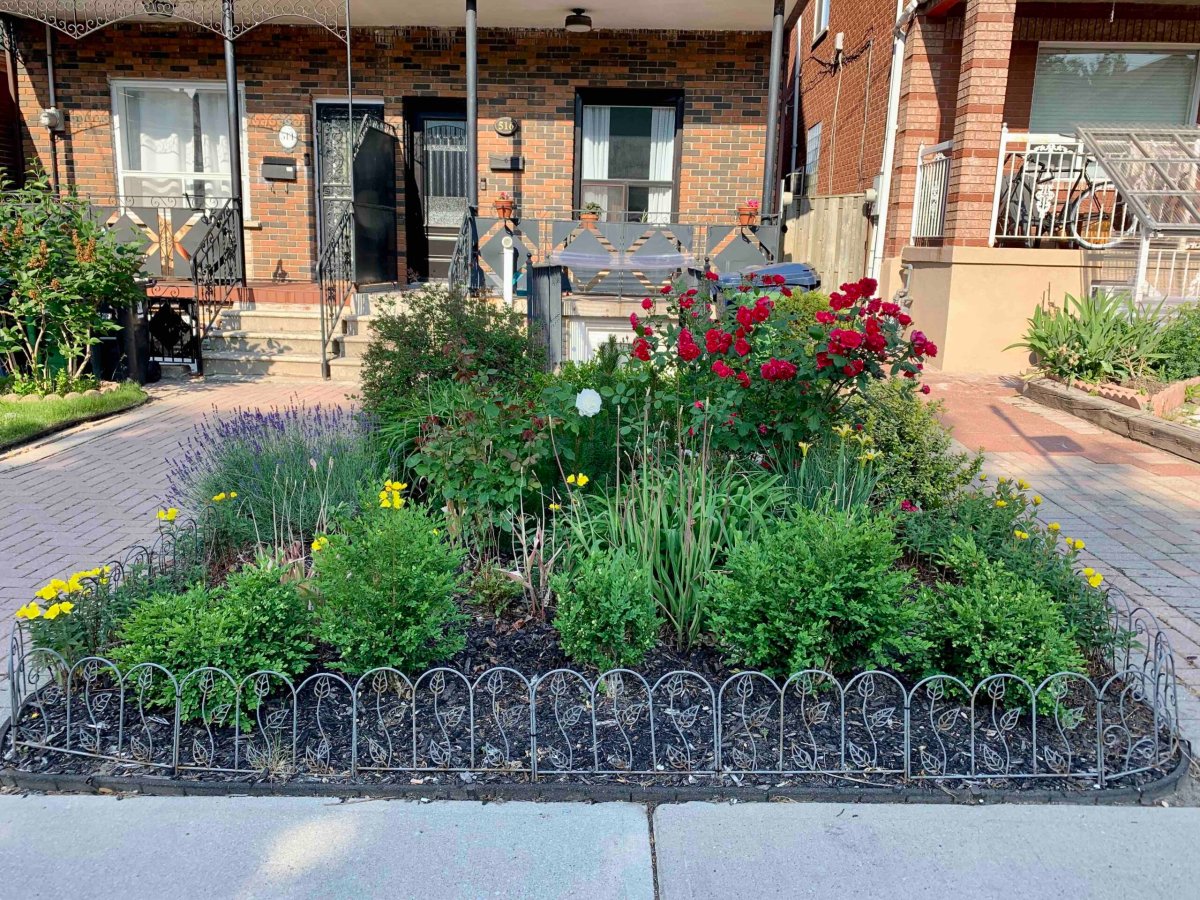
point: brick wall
(530, 76)
(850, 100)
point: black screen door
(436, 190)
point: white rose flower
(588, 403)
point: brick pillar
(979, 113)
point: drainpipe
(472, 107)
(904, 16)
(233, 107)
(52, 97)
(768, 191)
(796, 102)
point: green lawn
(21, 421)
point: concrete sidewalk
(144, 847)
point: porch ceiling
(684, 15)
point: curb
(1137, 425)
(554, 792)
(56, 431)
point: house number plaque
(506, 126)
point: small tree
(58, 267)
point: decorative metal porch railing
(465, 273)
(1117, 727)
(1050, 192)
(613, 258)
(930, 193)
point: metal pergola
(1156, 171)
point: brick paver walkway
(80, 498)
(1136, 508)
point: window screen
(1073, 87)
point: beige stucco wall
(975, 301)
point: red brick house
(963, 105)
(553, 110)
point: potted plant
(748, 213)
(504, 206)
(591, 213)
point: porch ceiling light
(578, 21)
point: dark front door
(333, 160)
(436, 189)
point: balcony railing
(612, 258)
(1050, 193)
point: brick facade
(532, 76)
(848, 99)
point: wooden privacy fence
(830, 234)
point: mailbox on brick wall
(278, 168)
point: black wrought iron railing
(465, 273)
(335, 280)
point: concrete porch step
(249, 365)
(351, 346)
(270, 342)
(272, 320)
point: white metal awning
(1156, 170)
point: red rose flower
(633, 321)
(867, 287)
(717, 341)
(647, 304)
(712, 276)
(688, 350)
(665, 289)
(722, 369)
(778, 370)
(909, 506)
(846, 338)
(741, 346)
(686, 302)
(787, 292)
(743, 379)
(904, 319)
(745, 317)
(924, 389)
(823, 361)
(641, 349)
(852, 368)
(825, 317)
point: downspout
(796, 101)
(904, 16)
(472, 106)
(769, 164)
(52, 96)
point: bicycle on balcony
(1053, 194)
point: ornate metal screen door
(442, 165)
(333, 163)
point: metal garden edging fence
(563, 723)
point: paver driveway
(1136, 508)
(81, 498)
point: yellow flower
(1096, 580)
(389, 497)
(168, 515)
(571, 478)
(1000, 504)
(1089, 571)
(868, 457)
(219, 497)
(1037, 501)
(983, 476)
(320, 544)
(65, 607)
(60, 586)
(555, 507)
(843, 431)
(1023, 484)
(48, 593)
(1001, 480)
(52, 612)
(1053, 527)
(579, 480)
(1021, 535)
(29, 611)
(804, 447)
(435, 532)
(233, 495)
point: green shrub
(839, 471)
(434, 334)
(917, 461)
(1100, 338)
(387, 588)
(1180, 346)
(495, 589)
(606, 616)
(253, 622)
(995, 621)
(821, 590)
(804, 305)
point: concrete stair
(284, 341)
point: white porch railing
(930, 193)
(1050, 193)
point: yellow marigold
(1096, 580)
(219, 497)
(320, 544)
(1089, 572)
(168, 515)
(1053, 527)
(1023, 484)
(1037, 501)
(1021, 535)
(1000, 504)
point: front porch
(1001, 205)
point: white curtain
(662, 163)
(595, 141)
(214, 130)
(161, 126)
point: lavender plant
(275, 478)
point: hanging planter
(504, 206)
(747, 213)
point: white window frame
(1106, 46)
(820, 18)
(810, 185)
(116, 85)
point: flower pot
(504, 208)
(747, 215)
(589, 219)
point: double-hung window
(627, 164)
(1113, 85)
(820, 19)
(172, 141)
